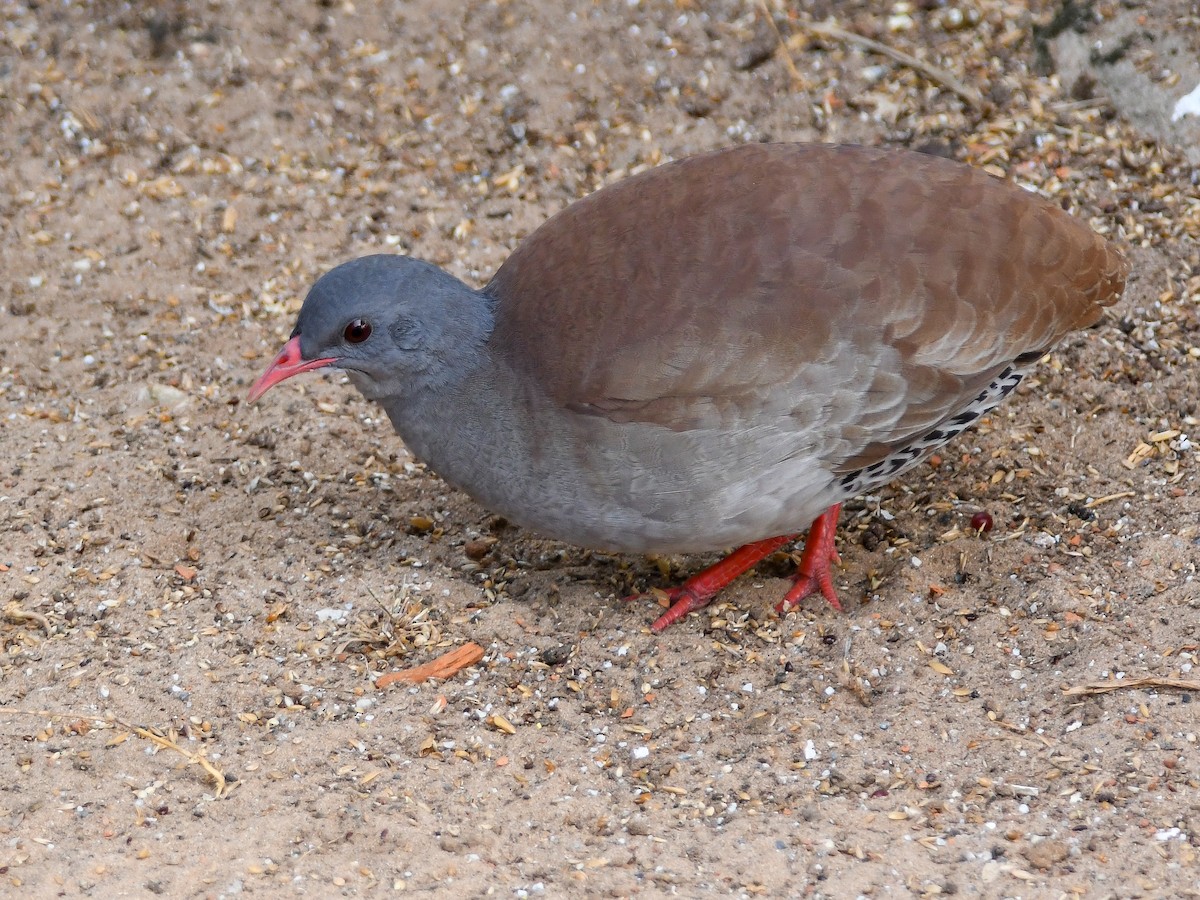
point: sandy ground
(185, 577)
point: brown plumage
(714, 351)
(957, 271)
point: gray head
(396, 324)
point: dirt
(198, 594)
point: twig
(1120, 495)
(783, 47)
(1103, 687)
(933, 73)
(14, 614)
(198, 759)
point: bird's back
(674, 292)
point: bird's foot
(682, 600)
(813, 574)
(697, 592)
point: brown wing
(762, 281)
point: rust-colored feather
(726, 289)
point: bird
(718, 351)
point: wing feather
(728, 290)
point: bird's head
(395, 324)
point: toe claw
(683, 602)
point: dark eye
(357, 331)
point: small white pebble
(1187, 105)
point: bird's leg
(698, 591)
(812, 574)
(819, 555)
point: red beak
(289, 362)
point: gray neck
(472, 429)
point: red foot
(813, 572)
(819, 555)
(697, 592)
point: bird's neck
(462, 425)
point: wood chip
(501, 724)
(445, 666)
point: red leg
(698, 591)
(819, 554)
(812, 575)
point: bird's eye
(357, 331)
